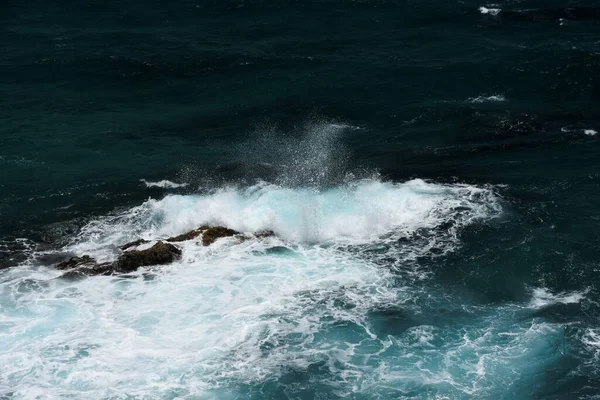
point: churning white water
(236, 312)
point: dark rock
(211, 234)
(189, 235)
(135, 243)
(75, 262)
(264, 234)
(159, 254)
(52, 258)
(91, 270)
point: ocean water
(431, 171)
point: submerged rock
(211, 234)
(159, 254)
(75, 262)
(89, 270)
(135, 243)
(189, 235)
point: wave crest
(357, 213)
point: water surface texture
(430, 170)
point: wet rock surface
(135, 243)
(159, 254)
(89, 270)
(264, 234)
(188, 235)
(210, 235)
(75, 262)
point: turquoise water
(430, 170)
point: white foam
(220, 315)
(588, 132)
(422, 335)
(591, 339)
(496, 98)
(543, 297)
(345, 126)
(356, 213)
(469, 361)
(233, 313)
(489, 11)
(165, 184)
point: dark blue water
(431, 168)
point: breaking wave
(336, 300)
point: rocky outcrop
(74, 262)
(135, 243)
(189, 235)
(264, 234)
(159, 254)
(210, 235)
(89, 270)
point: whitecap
(588, 132)
(489, 11)
(165, 184)
(496, 98)
(591, 340)
(542, 297)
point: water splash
(312, 155)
